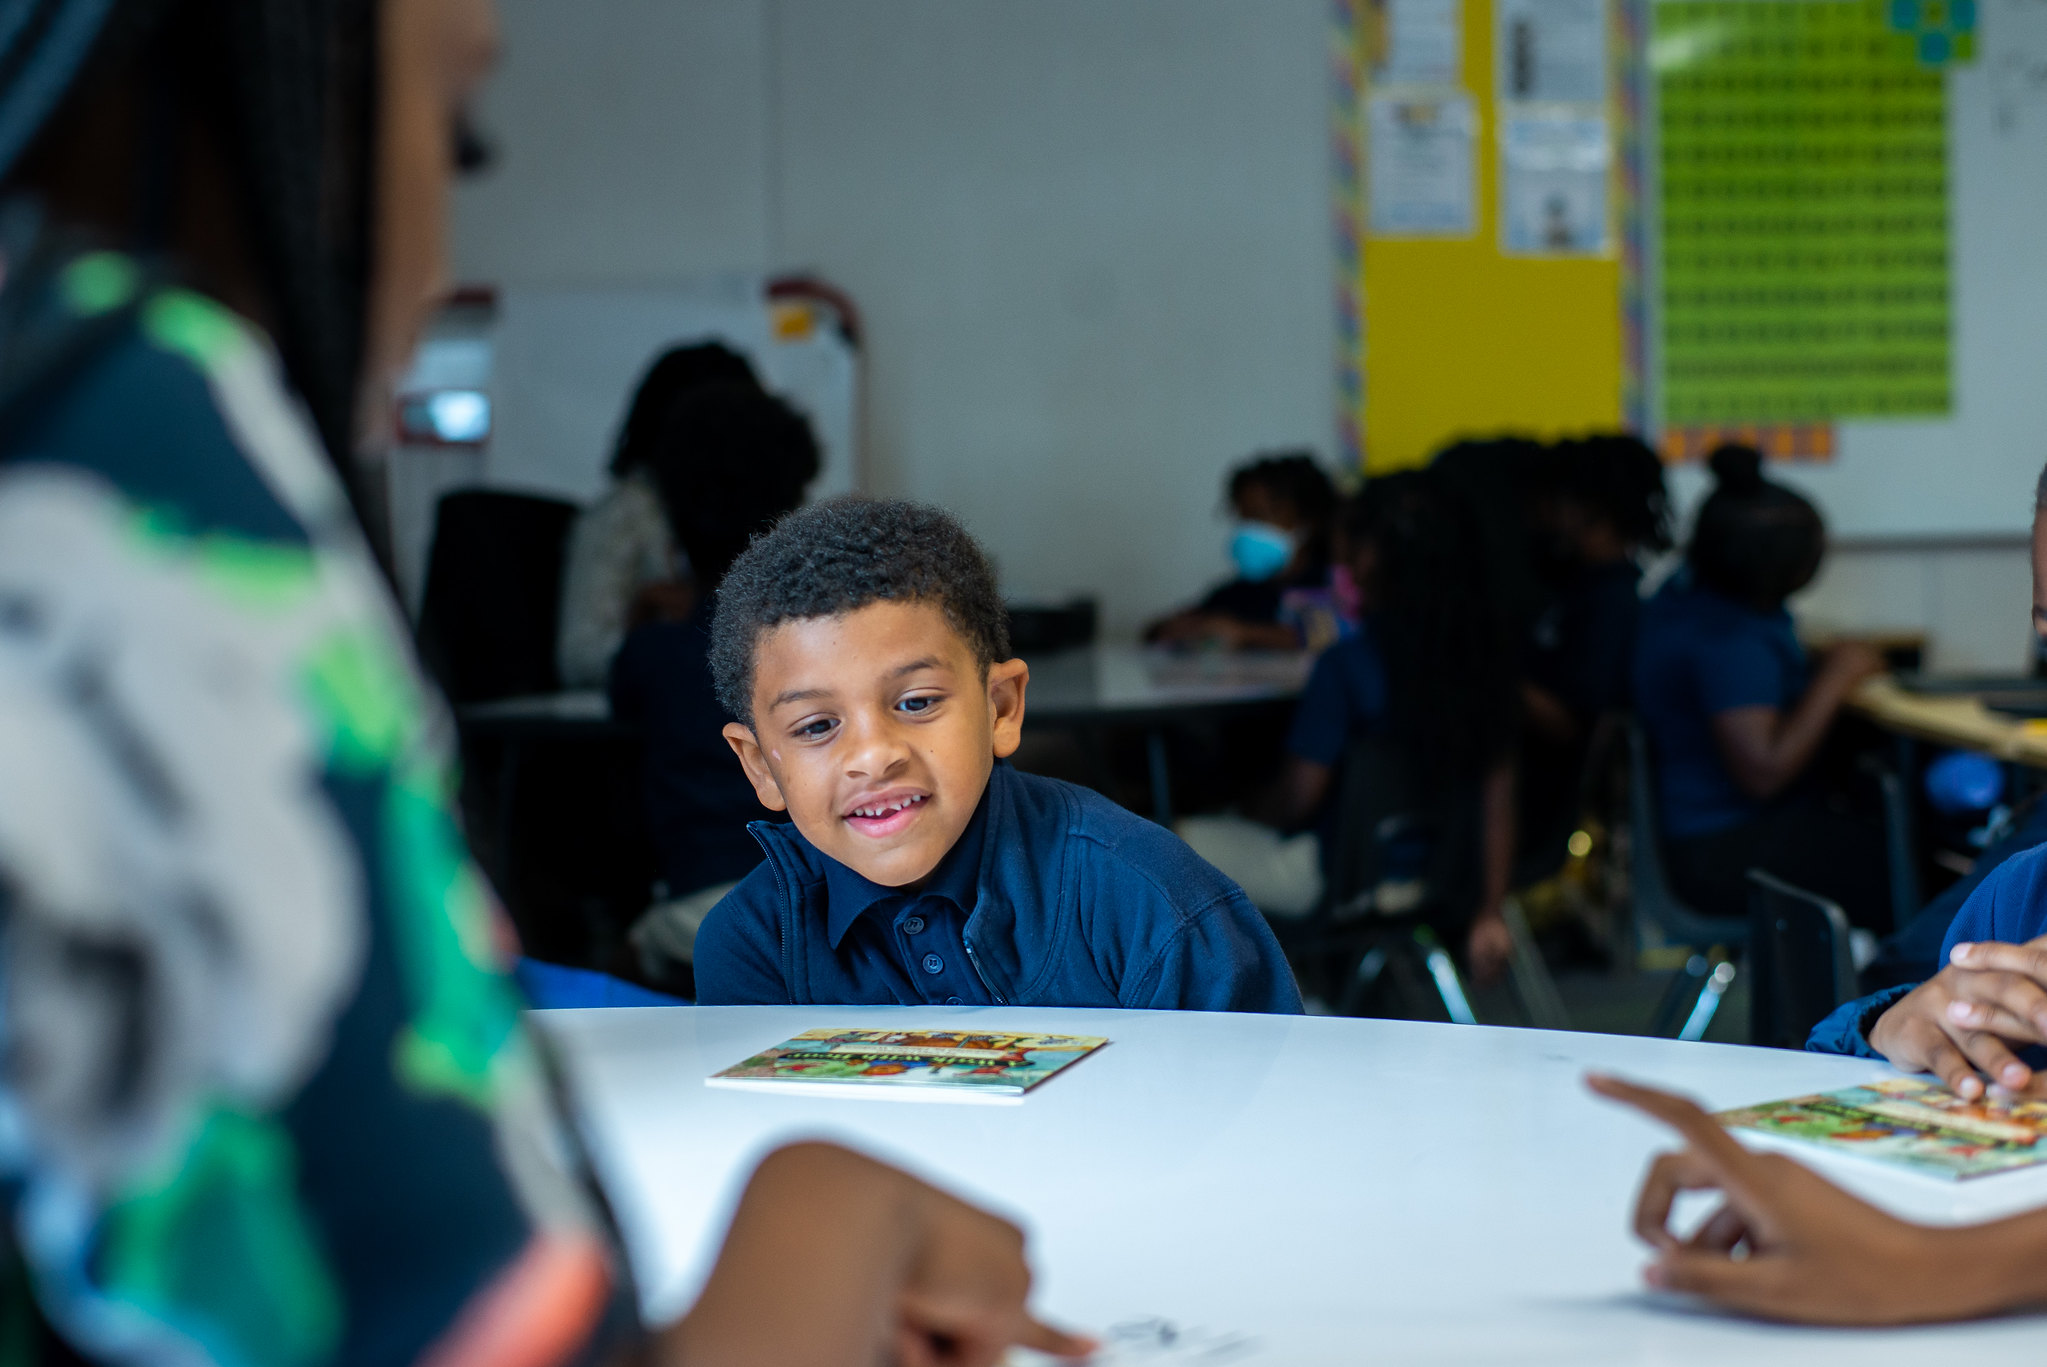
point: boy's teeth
(889, 810)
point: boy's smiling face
(876, 732)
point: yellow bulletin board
(1461, 340)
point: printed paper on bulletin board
(1804, 197)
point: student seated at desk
(624, 564)
(1929, 1021)
(731, 459)
(1282, 598)
(1599, 505)
(865, 649)
(1428, 668)
(1735, 712)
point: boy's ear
(1006, 684)
(748, 747)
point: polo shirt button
(912, 924)
(933, 964)
(953, 1001)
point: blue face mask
(1261, 550)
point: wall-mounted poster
(1553, 180)
(1803, 182)
(1552, 51)
(1420, 42)
(1421, 181)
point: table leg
(1161, 780)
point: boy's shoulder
(1108, 840)
(2010, 905)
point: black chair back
(1799, 961)
(493, 593)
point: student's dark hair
(839, 556)
(2040, 492)
(1297, 479)
(673, 374)
(285, 93)
(1619, 477)
(1755, 541)
(728, 461)
(1450, 680)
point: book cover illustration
(1911, 1122)
(963, 1060)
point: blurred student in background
(728, 461)
(1428, 672)
(1735, 712)
(624, 565)
(1281, 597)
(1598, 506)
(270, 1098)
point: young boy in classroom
(1427, 669)
(1598, 505)
(1735, 712)
(863, 648)
(728, 461)
(1281, 597)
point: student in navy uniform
(1284, 505)
(1429, 667)
(728, 461)
(864, 648)
(1735, 712)
(1599, 504)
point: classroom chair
(1694, 994)
(493, 593)
(1800, 964)
(1400, 868)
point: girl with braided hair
(270, 1100)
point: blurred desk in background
(1096, 688)
(1990, 719)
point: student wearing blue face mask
(1281, 597)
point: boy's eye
(811, 730)
(914, 705)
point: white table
(1346, 1191)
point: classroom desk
(1342, 1191)
(1959, 721)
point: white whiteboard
(567, 362)
(1972, 472)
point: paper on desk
(1153, 1341)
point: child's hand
(1852, 661)
(1814, 1253)
(887, 1269)
(1488, 947)
(1961, 1023)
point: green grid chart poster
(1804, 207)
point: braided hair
(287, 92)
(1451, 703)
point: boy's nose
(874, 749)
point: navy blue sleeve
(1323, 717)
(1739, 670)
(1845, 1030)
(1224, 959)
(738, 954)
(2010, 905)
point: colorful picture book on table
(1909, 1122)
(952, 1063)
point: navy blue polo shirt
(2010, 905)
(1052, 896)
(698, 799)
(1346, 695)
(1698, 655)
(1582, 650)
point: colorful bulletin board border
(1778, 441)
(1347, 57)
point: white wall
(1091, 241)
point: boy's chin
(890, 868)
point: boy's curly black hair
(838, 556)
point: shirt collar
(957, 879)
